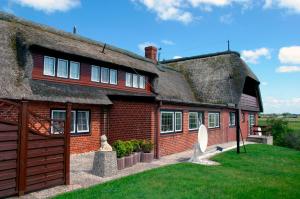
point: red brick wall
(81, 143)
(85, 75)
(131, 120)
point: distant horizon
(265, 33)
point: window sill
(171, 133)
(232, 126)
(81, 134)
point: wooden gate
(34, 150)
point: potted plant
(120, 148)
(147, 149)
(128, 154)
(137, 151)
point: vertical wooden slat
(67, 131)
(23, 148)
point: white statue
(104, 144)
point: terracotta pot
(147, 157)
(139, 154)
(121, 163)
(128, 161)
(134, 159)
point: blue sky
(265, 32)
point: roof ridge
(12, 18)
(201, 56)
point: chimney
(151, 53)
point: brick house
(124, 95)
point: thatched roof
(17, 36)
(217, 78)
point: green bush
(136, 145)
(292, 140)
(279, 129)
(147, 146)
(129, 148)
(120, 147)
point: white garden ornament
(201, 145)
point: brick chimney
(151, 53)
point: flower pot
(135, 158)
(139, 154)
(147, 157)
(121, 163)
(128, 161)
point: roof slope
(215, 78)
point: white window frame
(104, 69)
(173, 123)
(97, 68)
(63, 111)
(197, 116)
(58, 66)
(78, 64)
(128, 83)
(216, 120)
(54, 68)
(137, 79)
(142, 77)
(110, 76)
(88, 122)
(232, 123)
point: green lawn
(263, 172)
(293, 123)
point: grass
(263, 172)
(293, 123)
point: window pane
(104, 75)
(129, 79)
(74, 70)
(113, 76)
(62, 68)
(61, 115)
(211, 120)
(167, 122)
(232, 119)
(193, 120)
(142, 81)
(217, 120)
(200, 116)
(49, 66)
(82, 121)
(135, 82)
(178, 121)
(95, 76)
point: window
(142, 82)
(113, 76)
(83, 121)
(178, 121)
(49, 66)
(80, 122)
(170, 121)
(213, 120)
(232, 119)
(95, 76)
(74, 70)
(251, 119)
(135, 81)
(128, 79)
(195, 120)
(62, 68)
(167, 122)
(104, 75)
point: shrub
(120, 147)
(279, 129)
(292, 140)
(129, 148)
(136, 145)
(147, 146)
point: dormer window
(49, 66)
(74, 70)
(113, 76)
(62, 68)
(95, 76)
(135, 81)
(105, 75)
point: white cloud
(177, 57)
(265, 83)
(226, 19)
(142, 46)
(178, 10)
(291, 5)
(252, 56)
(168, 42)
(288, 69)
(49, 6)
(275, 102)
(289, 55)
